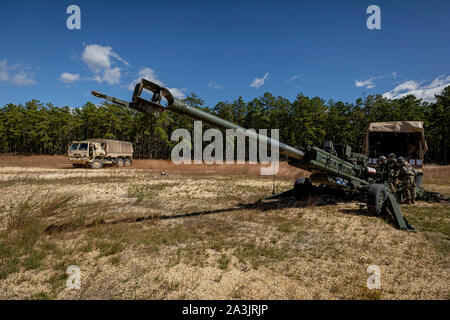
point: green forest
(37, 128)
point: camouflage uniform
(382, 171)
(407, 174)
(391, 169)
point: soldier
(391, 161)
(407, 175)
(382, 169)
(399, 164)
(382, 160)
(391, 172)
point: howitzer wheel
(376, 199)
(302, 182)
(301, 185)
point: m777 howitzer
(336, 168)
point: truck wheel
(97, 164)
(127, 162)
(376, 199)
(119, 162)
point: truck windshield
(74, 146)
(83, 147)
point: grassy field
(204, 232)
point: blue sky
(218, 49)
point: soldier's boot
(413, 201)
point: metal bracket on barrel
(158, 93)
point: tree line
(35, 128)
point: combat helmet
(401, 161)
(381, 158)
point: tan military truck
(403, 138)
(99, 152)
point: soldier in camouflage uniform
(407, 175)
(391, 170)
(382, 169)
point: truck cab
(82, 152)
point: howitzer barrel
(180, 107)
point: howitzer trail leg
(395, 210)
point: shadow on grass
(281, 201)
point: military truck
(403, 138)
(99, 152)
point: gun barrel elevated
(180, 107)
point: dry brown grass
(139, 235)
(43, 161)
(436, 174)
(37, 161)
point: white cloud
(69, 78)
(4, 76)
(100, 60)
(258, 82)
(295, 76)
(112, 76)
(424, 92)
(22, 79)
(96, 57)
(150, 74)
(99, 57)
(214, 85)
(178, 93)
(16, 73)
(369, 83)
